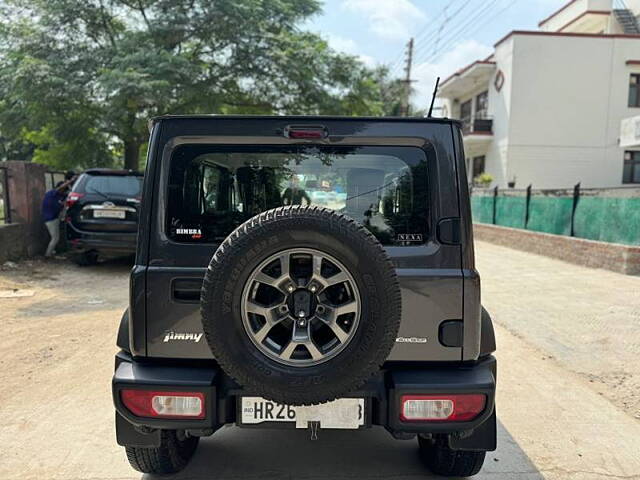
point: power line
(457, 30)
(472, 31)
(436, 33)
(498, 13)
(429, 33)
(442, 12)
(453, 35)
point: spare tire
(300, 305)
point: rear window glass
(128, 186)
(213, 189)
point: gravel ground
(586, 319)
(563, 332)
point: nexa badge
(409, 237)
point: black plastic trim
(451, 333)
(487, 335)
(484, 437)
(479, 378)
(122, 340)
(186, 290)
(128, 435)
(382, 392)
(448, 231)
(137, 375)
(305, 118)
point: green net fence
(608, 215)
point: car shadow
(235, 453)
(114, 264)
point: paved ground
(586, 319)
(564, 333)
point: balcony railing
(479, 125)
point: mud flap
(128, 435)
(482, 438)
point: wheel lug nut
(290, 288)
(313, 288)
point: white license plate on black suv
(344, 413)
(113, 213)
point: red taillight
(305, 132)
(73, 197)
(149, 403)
(441, 408)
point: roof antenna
(433, 98)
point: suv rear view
(102, 214)
(305, 272)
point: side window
(465, 116)
(634, 90)
(478, 166)
(631, 168)
(211, 179)
(482, 104)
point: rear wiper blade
(103, 195)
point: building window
(631, 168)
(482, 104)
(465, 116)
(634, 90)
(478, 166)
(465, 111)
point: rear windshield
(128, 186)
(213, 189)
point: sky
(449, 34)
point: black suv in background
(101, 214)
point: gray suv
(305, 272)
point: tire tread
(171, 456)
(442, 460)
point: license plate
(109, 214)
(344, 413)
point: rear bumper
(110, 242)
(382, 394)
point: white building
(547, 107)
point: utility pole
(404, 105)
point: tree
(80, 79)
(391, 91)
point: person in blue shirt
(52, 204)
